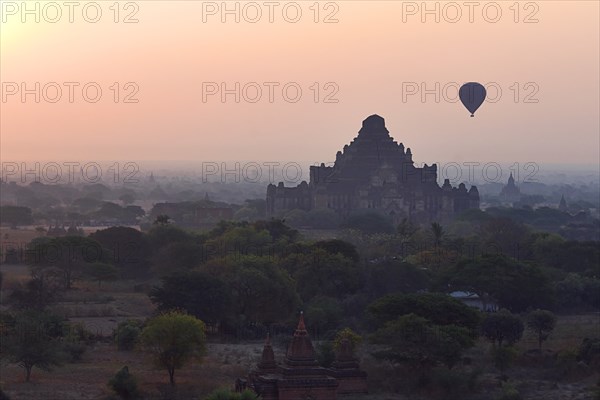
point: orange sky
(370, 54)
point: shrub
(76, 340)
(453, 384)
(124, 384)
(325, 313)
(78, 333)
(127, 334)
(348, 334)
(224, 394)
(509, 392)
(74, 350)
(503, 357)
(589, 352)
(3, 396)
(567, 365)
(325, 354)
(596, 391)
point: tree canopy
(514, 285)
(438, 308)
(174, 338)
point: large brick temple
(375, 173)
(300, 377)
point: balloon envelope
(472, 95)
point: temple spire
(301, 325)
(562, 206)
(267, 361)
(300, 350)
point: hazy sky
(369, 61)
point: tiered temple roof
(376, 173)
(300, 375)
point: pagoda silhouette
(300, 376)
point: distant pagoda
(510, 193)
(562, 206)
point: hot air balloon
(472, 95)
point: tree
(33, 341)
(132, 214)
(199, 293)
(325, 314)
(369, 223)
(127, 198)
(246, 214)
(262, 291)
(325, 353)
(15, 215)
(406, 229)
(109, 210)
(406, 341)
(162, 220)
(451, 341)
(129, 246)
(260, 205)
(502, 326)
(323, 273)
(541, 322)
(394, 276)
(335, 246)
(514, 285)
(177, 257)
(44, 288)
(86, 204)
(277, 229)
(439, 308)
(503, 235)
(163, 234)
(102, 272)
(174, 338)
(67, 254)
(323, 218)
(437, 232)
(416, 341)
(242, 239)
(576, 292)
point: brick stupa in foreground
(301, 377)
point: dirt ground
(224, 362)
(88, 379)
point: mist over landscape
(326, 200)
